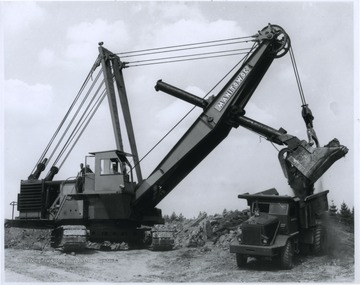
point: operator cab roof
(118, 152)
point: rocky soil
(201, 254)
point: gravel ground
(28, 257)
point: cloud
(193, 30)
(85, 35)
(47, 57)
(30, 101)
(28, 114)
(82, 40)
(19, 16)
(176, 10)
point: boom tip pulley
(281, 41)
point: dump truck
(280, 226)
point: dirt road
(207, 264)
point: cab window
(110, 166)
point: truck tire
(241, 260)
(286, 255)
(319, 236)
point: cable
(81, 121)
(75, 115)
(187, 55)
(181, 60)
(88, 77)
(297, 76)
(87, 120)
(181, 49)
(182, 45)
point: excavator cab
(113, 174)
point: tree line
(344, 215)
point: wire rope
(297, 76)
(87, 120)
(80, 122)
(179, 46)
(181, 49)
(76, 113)
(88, 77)
(188, 59)
(188, 55)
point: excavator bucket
(304, 165)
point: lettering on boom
(233, 88)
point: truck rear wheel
(319, 245)
(241, 260)
(286, 256)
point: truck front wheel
(241, 260)
(286, 255)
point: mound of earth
(37, 239)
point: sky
(49, 48)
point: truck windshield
(278, 209)
(272, 208)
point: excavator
(109, 203)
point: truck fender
(281, 240)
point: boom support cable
(176, 47)
(85, 123)
(75, 115)
(78, 127)
(151, 56)
(179, 60)
(88, 77)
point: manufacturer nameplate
(235, 85)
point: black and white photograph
(179, 141)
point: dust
(340, 238)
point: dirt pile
(218, 230)
(37, 239)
